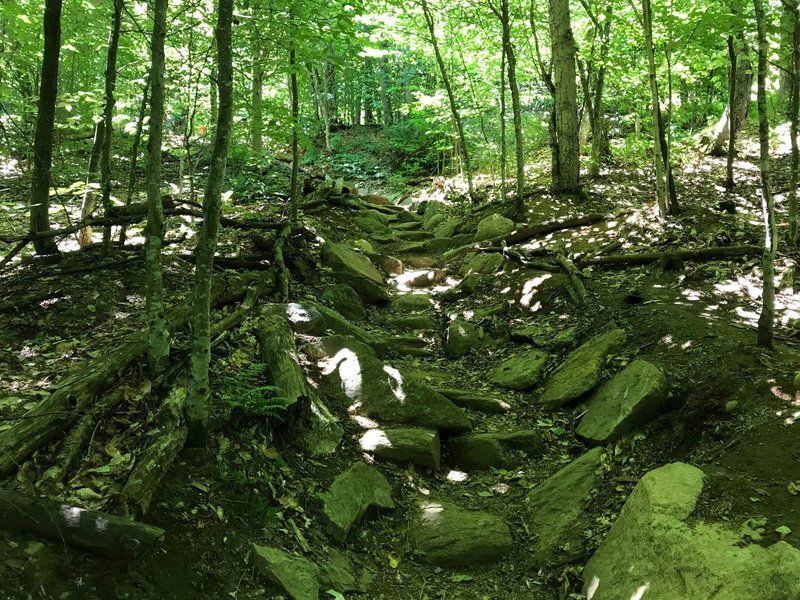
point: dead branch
(613, 261)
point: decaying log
(278, 352)
(13, 252)
(623, 260)
(73, 395)
(104, 534)
(165, 440)
(576, 289)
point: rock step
(404, 445)
(481, 451)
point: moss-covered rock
(520, 372)
(294, 575)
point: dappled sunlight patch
(396, 382)
(457, 476)
(346, 361)
(360, 420)
(431, 513)
(374, 439)
(530, 288)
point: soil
(732, 410)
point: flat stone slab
(448, 536)
(483, 263)
(341, 258)
(368, 290)
(412, 302)
(294, 575)
(635, 396)
(520, 372)
(359, 489)
(404, 445)
(463, 336)
(556, 507)
(480, 451)
(582, 370)
(655, 550)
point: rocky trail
(477, 408)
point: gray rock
(582, 370)
(344, 299)
(493, 226)
(520, 372)
(369, 291)
(427, 279)
(654, 550)
(480, 451)
(414, 322)
(404, 445)
(556, 507)
(294, 575)
(483, 263)
(342, 258)
(633, 398)
(448, 228)
(462, 337)
(359, 489)
(412, 302)
(448, 536)
(303, 318)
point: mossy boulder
(341, 258)
(293, 575)
(344, 299)
(494, 226)
(521, 371)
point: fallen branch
(13, 252)
(576, 289)
(622, 260)
(73, 395)
(105, 534)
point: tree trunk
(198, 391)
(108, 115)
(516, 108)
(294, 189)
(369, 114)
(462, 141)
(729, 182)
(743, 85)
(45, 121)
(566, 99)
(386, 100)
(158, 336)
(601, 149)
(794, 109)
(767, 318)
(503, 142)
(137, 140)
(257, 101)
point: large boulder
(654, 550)
(344, 299)
(462, 337)
(582, 370)
(448, 536)
(372, 226)
(520, 372)
(447, 228)
(404, 445)
(352, 494)
(342, 258)
(556, 508)
(493, 226)
(633, 398)
(480, 451)
(381, 393)
(369, 291)
(293, 575)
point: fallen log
(104, 534)
(623, 260)
(576, 289)
(279, 353)
(74, 394)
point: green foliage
(247, 395)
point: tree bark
(257, 98)
(794, 117)
(516, 108)
(198, 393)
(767, 318)
(137, 140)
(294, 189)
(462, 140)
(158, 340)
(743, 82)
(503, 135)
(45, 122)
(729, 182)
(566, 99)
(108, 115)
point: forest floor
(731, 409)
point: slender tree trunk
(767, 318)
(108, 115)
(720, 133)
(658, 150)
(257, 101)
(516, 107)
(566, 99)
(794, 109)
(462, 141)
(386, 99)
(158, 336)
(198, 391)
(369, 114)
(729, 182)
(546, 72)
(137, 140)
(294, 189)
(45, 121)
(601, 149)
(503, 140)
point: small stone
(463, 337)
(404, 445)
(359, 489)
(440, 244)
(448, 536)
(294, 575)
(545, 337)
(494, 226)
(520, 372)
